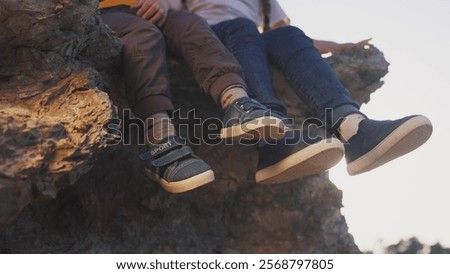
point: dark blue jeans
(289, 49)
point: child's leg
(219, 74)
(168, 161)
(242, 38)
(159, 128)
(143, 62)
(314, 80)
(368, 143)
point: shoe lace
(249, 105)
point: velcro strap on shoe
(172, 142)
(172, 157)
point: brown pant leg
(213, 66)
(143, 60)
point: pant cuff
(223, 82)
(343, 111)
(151, 105)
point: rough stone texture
(51, 119)
(51, 109)
(359, 71)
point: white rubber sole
(260, 129)
(407, 137)
(184, 185)
(313, 159)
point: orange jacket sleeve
(112, 3)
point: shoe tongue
(349, 126)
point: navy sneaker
(247, 120)
(175, 167)
(378, 142)
(296, 156)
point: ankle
(349, 126)
(160, 127)
(231, 94)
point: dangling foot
(247, 120)
(175, 166)
(296, 156)
(378, 142)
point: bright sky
(409, 196)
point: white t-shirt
(216, 11)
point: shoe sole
(407, 137)
(260, 129)
(183, 185)
(311, 160)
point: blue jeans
(289, 49)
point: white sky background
(409, 196)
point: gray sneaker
(378, 142)
(247, 120)
(175, 166)
(296, 156)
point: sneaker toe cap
(188, 169)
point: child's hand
(332, 47)
(340, 47)
(152, 10)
